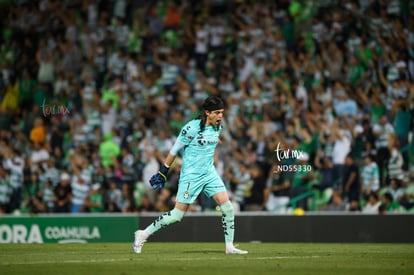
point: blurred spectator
(325, 169)
(52, 174)
(201, 46)
(279, 191)
(80, 190)
(370, 177)
(33, 195)
(27, 89)
(44, 58)
(145, 205)
(354, 205)
(38, 132)
(403, 118)
(341, 147)
(344, 106)
(382, 131)
(351, 180)
(301, 180)
(389, 203)
(5, 191)
(94, 201)
(257, 196)
(47, 195)
(395, 189)
(240, 182)
(151, 167)
(113, 197)
(395, 162)
(109, 151)
(337, 203)
(62, 195)
(39, 156)
(127, 202)
(382, 209)
(372, 205)
(14, 163)
(407, 199)
(10, 99)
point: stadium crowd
(319, 102)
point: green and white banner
(68, 229)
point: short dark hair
(374, 195)
(388, 196)
(382, 208)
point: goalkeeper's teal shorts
(190, 186)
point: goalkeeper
(198, 140)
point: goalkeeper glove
(158, 180)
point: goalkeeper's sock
(228, 222)
(173, 216)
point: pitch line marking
(137, 258)
(68, 262)
(286, 257)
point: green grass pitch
(207, 258)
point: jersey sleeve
(187, 134)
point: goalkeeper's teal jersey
(198, 150)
